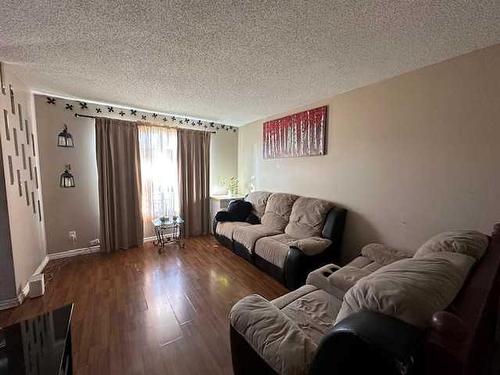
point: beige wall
(78, 208)
(408, 157)
(223, 159)
(22, 194)
(67, 209)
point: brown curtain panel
(119, 172)
(193, 161)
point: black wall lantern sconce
(67, 180)
(64, 139)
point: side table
(168, 231)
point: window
(160, 195)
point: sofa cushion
(248, 235)
(411, 289)
(338, 282)
(273, 335)
(289, 297)
(308, 217)
(312, 245)
(314, 313)
(468, 242)
(258, 199)
(278, 209)
(227, 228)
(274, 249)
(384, 255)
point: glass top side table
(168, 231)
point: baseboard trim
(42, 265)
(74, 252)
(9, 303)
(14, 302)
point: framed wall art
(300, 134)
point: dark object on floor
(41, 345)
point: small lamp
(65, 139)
(67, 180)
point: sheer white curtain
(160, 195)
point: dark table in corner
(41, 345)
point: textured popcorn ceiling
(232, 61)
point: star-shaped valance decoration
(143, 117)
(173, 118)
(199, 122)
(154, 115)
(83, 105)
(69, 106)
(98, 110)
(111, 109)
(133, 112)
(121, 113)
(51, 100)
(164, 119)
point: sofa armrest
(333, 228)
(312, 245)
(298, 265)
(272, 334)
(335, 280)
(384, 344)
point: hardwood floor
(140, 312)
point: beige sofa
(293, 236)
(286, 335)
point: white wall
(408, 157)
(23, 194)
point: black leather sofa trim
(245, 360)
(242, 251)
(370, 343)
(226, 242)
(274, 271)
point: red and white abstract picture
(301, 134)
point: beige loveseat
(292, 235)
(294, 334)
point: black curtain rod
(161, 126)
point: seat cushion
(278, 209)
(248, 235)
(468, 242)
(227, 228)
(274, 249)
(314, 312)
(308, 217)
(258, 199)
(411, 289)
